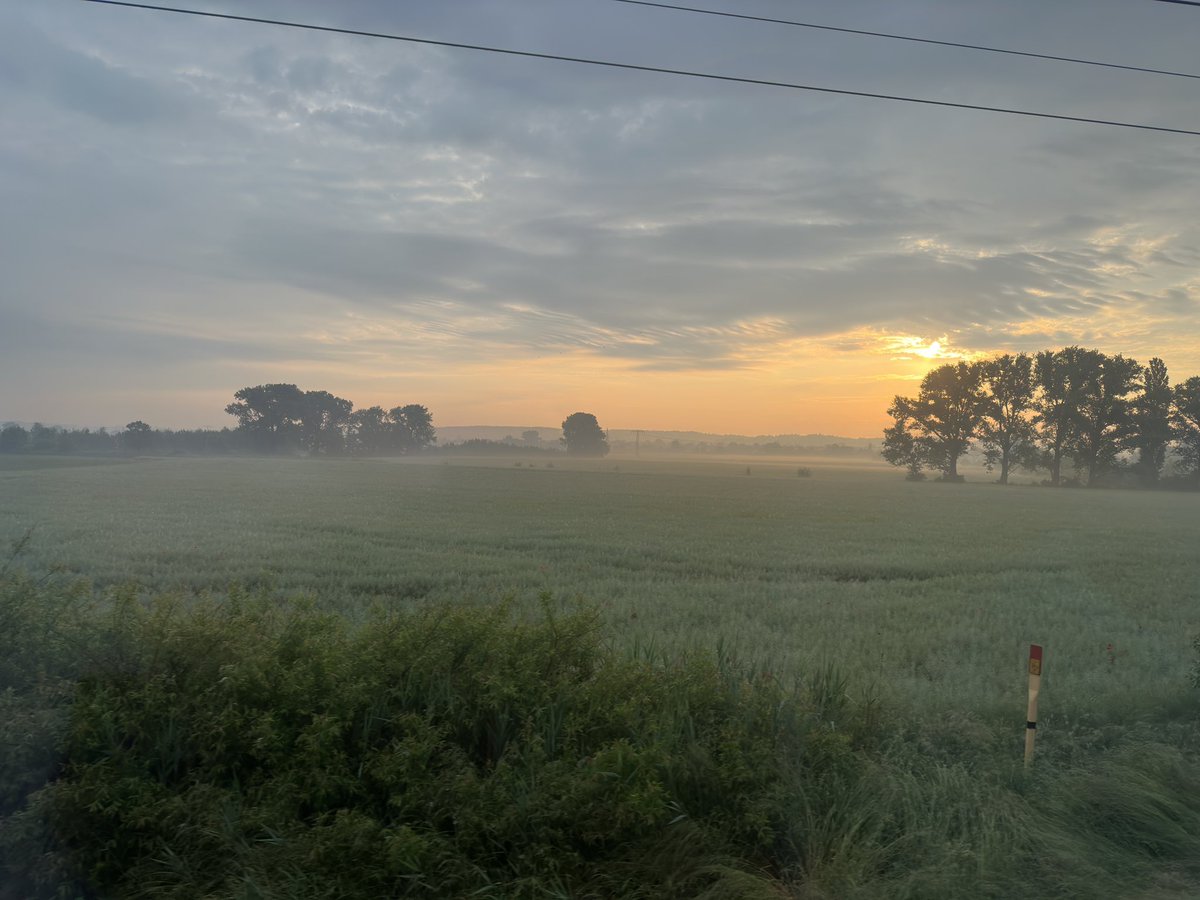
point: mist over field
(824, 654)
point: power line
(918, 40)
(760, 82)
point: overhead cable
(758, 82)
(916, 40)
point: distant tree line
(271, 418)
(740, 448)
(486, 447)
(1109, 417)
(281, 418)
(136, 439)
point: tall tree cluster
(1098, 412)
(281, 417)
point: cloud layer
(197, 205)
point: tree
(1150, 418)
(583, 435)
(1185, 426)
(1005, 430)
(13, 439)
(323, 418)
(138, 437)
(368, 432)
(1057, 374)
(900, 448)
(43, 438)
(413, 428)
(1101, 414)
(269, 413)
(942, 419)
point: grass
(929, 592)
(902, 611)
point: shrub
(455, 751)
(244, 747)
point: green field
(902, 610)
(931, 592)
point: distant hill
(697, 437)
(548, 435)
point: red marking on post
(1035, 651)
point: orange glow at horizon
(837, 385)
(790, 387)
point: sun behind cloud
(907, 347)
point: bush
(243, 747)
(219, 745)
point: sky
(190, 206)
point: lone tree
(583, 435)
(941, 420)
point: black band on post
(1031, 725)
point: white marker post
(1035, 685)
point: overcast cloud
(189, 204)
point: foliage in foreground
(252, 749)
(245, 748)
